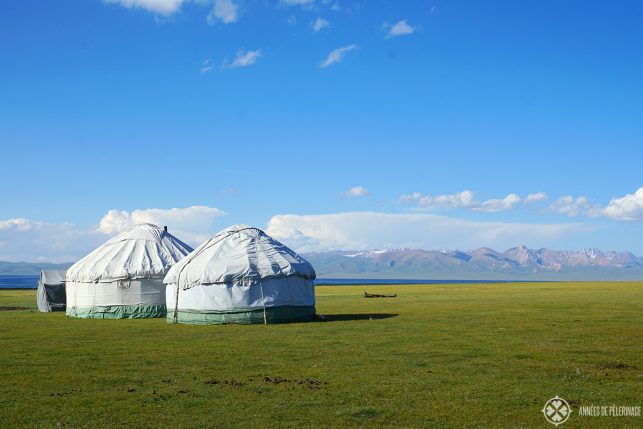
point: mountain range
(517, 263)
(29, 268)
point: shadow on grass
(344, 317)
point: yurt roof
(52, 277)
(142, 251)
(239, 255)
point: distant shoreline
(366, 282)
(25, 282)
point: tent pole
(263, 301)
(175, 318)
(176, 303)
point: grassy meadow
(456, 355)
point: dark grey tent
(51, 291)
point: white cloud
(462, 199)
(628, 207)
(356, 191)
(161, 7)
(537, 197)
(230, 191)
(465, 199)
(337, 55)
(191, 224)
(415, 196)
(19, 224)
(36, 241)
(400, 28)
(495, 205)
(572, 207)
(206, 66)
(303, 3)
(226, 11)
(373, 230)
(319, 24)
(243, 59)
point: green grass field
(475, 355)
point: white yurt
(123, 278)
(241, 275)
(51, 291)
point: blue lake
(18, 282)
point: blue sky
(442, 117)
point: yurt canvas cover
(51, 291)
(241, 275)
(123, 278)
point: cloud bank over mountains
(375, 230)
(31, 240)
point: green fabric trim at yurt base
(283, 314)
(118, 312)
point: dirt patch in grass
(304, 382)
(233, 383)
(616, 365)
(14, 308)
